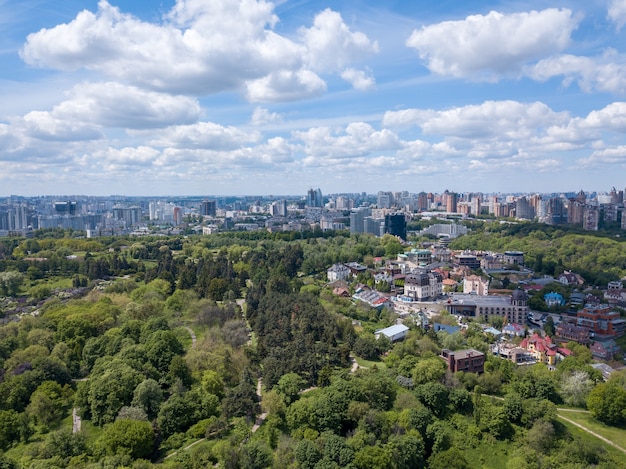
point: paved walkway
(76, 421)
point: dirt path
(193, 336)
(76, 421)
(261, 418)
(355, 365)
(606, 440)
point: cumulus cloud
(285, 85)
(207, 135)
(604, 73)
(44, 126)
(331, 45)
(359, 79)
(115, 105)
(617, 12)
(201, 48)
(357, 139)
(606, 156)
(508, 119)
(262, 116)
(488, 46)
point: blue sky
(195, 97)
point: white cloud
(611, 117)
(331, 45)
(44, 126)
(358, 139)
(607, 156)
(605, 73)
(206, 135)
(127, 156)
(285, 85)
(359, 79)
(506, 119)
(617, 12)
(488, 46)
(262, 116)
(115, 105)
(202, 48)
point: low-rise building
(469, 360)
(423, 286)
(543, 349)
(570, 278)
(337, 272)
(513, 308)
(568, 331)
(601, 321)
(476, 285)
(553, 299)
(393, 333)
(514, 330)
(604, 349)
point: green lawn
(370, 364)
(490, 454)
(615, 434)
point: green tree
(429, 370)
(407, 450)
(110, 388)
(607, 401)
(289, 386)
(48, 403)
(175, 415)
(256, 455)
(10, 283)
(132, 437)
(575, 387)
(9, 428)
(449, 459)
(148, 396)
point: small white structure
(393, 333)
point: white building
(393, 333)
(476, 285)
(423, 286)
(337, 272)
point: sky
(250, 97)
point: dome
(519, 295)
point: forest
(231, 351)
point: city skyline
(250, 97)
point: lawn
(615, 434)
(370, 364)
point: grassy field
(616, 435)
(574, 430)
(370, 364)
(488, 454)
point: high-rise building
(314, 198)
(450, 200)
(177, 215)
(356, 219)
(557, 212)
(395, 224)
(375, 226)
(384, 199)
(523, 209)
(422, 201)
(208, 208)
(591, 217)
